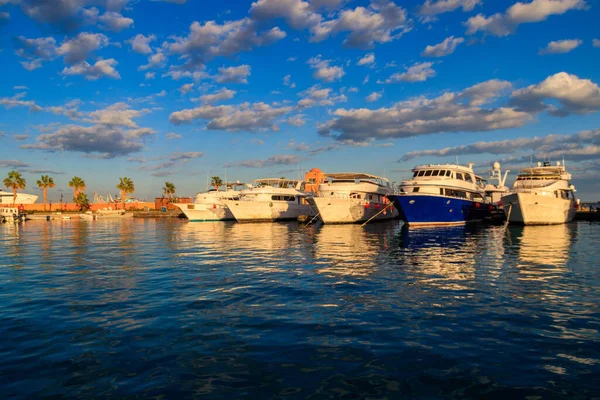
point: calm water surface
(171, 309)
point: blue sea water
(169, 309)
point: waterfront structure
(351, 197)
(541, 195)
(444, 194)
(271, 199)
(209, 206)
(22, 198)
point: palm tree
(216, 182)
(15, 181)
(78, 185)
(82, 201)
(125, 186)
(45, 183)
(169, 190)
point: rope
(509, 211)
(382, 210)
(310, 222)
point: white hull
(22, 198)
(333, 210)
(532, 209)
(256, 211)
(205, 212)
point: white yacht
(22, 198)
(208, 206)
(271, 199)
(351, 197)
(541, 195)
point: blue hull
(439, 210)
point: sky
(178, 90)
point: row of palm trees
(15, 181)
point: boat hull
(262, 211)
(431, 210)
(532, 209)
(206, 212)
(348, 211)
(22, 198)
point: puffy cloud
(418, 72)
(596, 42)
(235, 118)
(172, 136)
(77, 49)
(573, 94)
(233, 74)
(20, 137)
(118, 114)
(380, 23)
(450, 112)
(287, 81)
(150, 75)
(114, 21)
(442, 49)
(156, 60)
(106, 141)
(99, 70)
(374, 96)
(504, 24)
(485, 92)
(560, 46)
(432, 8)
(185, 89)
(269, 162)
(324, 71)
(315, 95)
(298, 14)
(36, 51)
(580, 145)
(223, 94)
(209, 40)
(368, 59)
(16, 101)
(141, 44)
(296, 120)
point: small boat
(207, 206)
(541, 195)
(11, 214)
(351, 197)
(445, 194)
(271, 199)
(22, 198)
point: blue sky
(175, 90)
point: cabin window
(312, 180)
(436, 172)
(468, 178)
(289, 198)
(415, 174)
(460, 176)
(428, 173)
(354, 195)
(442, 191)
(448, 173)
(421, 173)
(415, 190)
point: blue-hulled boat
(446, 194)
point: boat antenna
(457, 160)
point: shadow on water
(165, 308)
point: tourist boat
(11, 214)
(446, 194)
(208, 206)
(351, 197)
(22, 198)
(271, 199)
(541, 195)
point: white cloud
(450, 112)
(374, 96)
(99, 70)
(77, 49)
(172, 136)
(504, 24)
(297, 13)
(223, 94)
(324, 71)
(287, 81)
(209, 40)
(114, 21)
(573, 94)
(368, 59)
(186, 88)
(315, 95)
(141, 44)
(119, 114)
(235, 118)
(442, 49)
(560, 46)
(15, 101)
(269, 162)
(596, 42)
(432, 8)
(233, 74)
(296, 120)
(156, 60)
(418, 72)
(150, 75)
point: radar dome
(497, 166)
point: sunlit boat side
(351, 197)
(541, 195)
(209, 206)
(445, 194)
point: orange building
(313, 179)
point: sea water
(145, 308)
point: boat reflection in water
(442, 257)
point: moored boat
(271, 199)
(351, 197)
(22, 198)
(445, 194)
(208, 206)
(541, 195)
